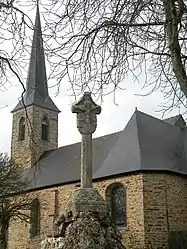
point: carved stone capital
(86, 110)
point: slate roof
(36, 87)
(146, 144)
(176, 120)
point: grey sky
(112, 118)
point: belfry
(35, 117)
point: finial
(37, 7)
(136, 109)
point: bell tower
(35, 117)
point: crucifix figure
(86, 110)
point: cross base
(88, 200)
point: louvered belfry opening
(45, 129)
(21, 135)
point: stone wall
(165, 207)
(132, 234)
(26, 152)
(156, 204)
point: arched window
(116, 198)
(35, 218)
(21, 135)
(45, 129)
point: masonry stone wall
(156, 205)
(26, 152)
(165, 207)
(133, 234)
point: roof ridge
(137, 112)
(174, 119)
(161, 120)
(115, 133)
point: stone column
(86, 110)
(90, 226)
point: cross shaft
(86, 110)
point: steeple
(36, 87)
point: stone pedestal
(88, 200)
(92, 227)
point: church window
(116, 198)
(21, 135)
(45, 129)
(35, 218)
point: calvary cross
(86, 110)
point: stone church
(140, 171)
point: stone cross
(86, 110)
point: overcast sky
(113, 117)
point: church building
(140, 171)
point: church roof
(176, 120)
(146, 144)
(36, 88)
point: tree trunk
(3, 233)
(174, 10)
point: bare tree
(98, 43)
(11, 206)
(14, 36)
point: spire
(36, 87)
